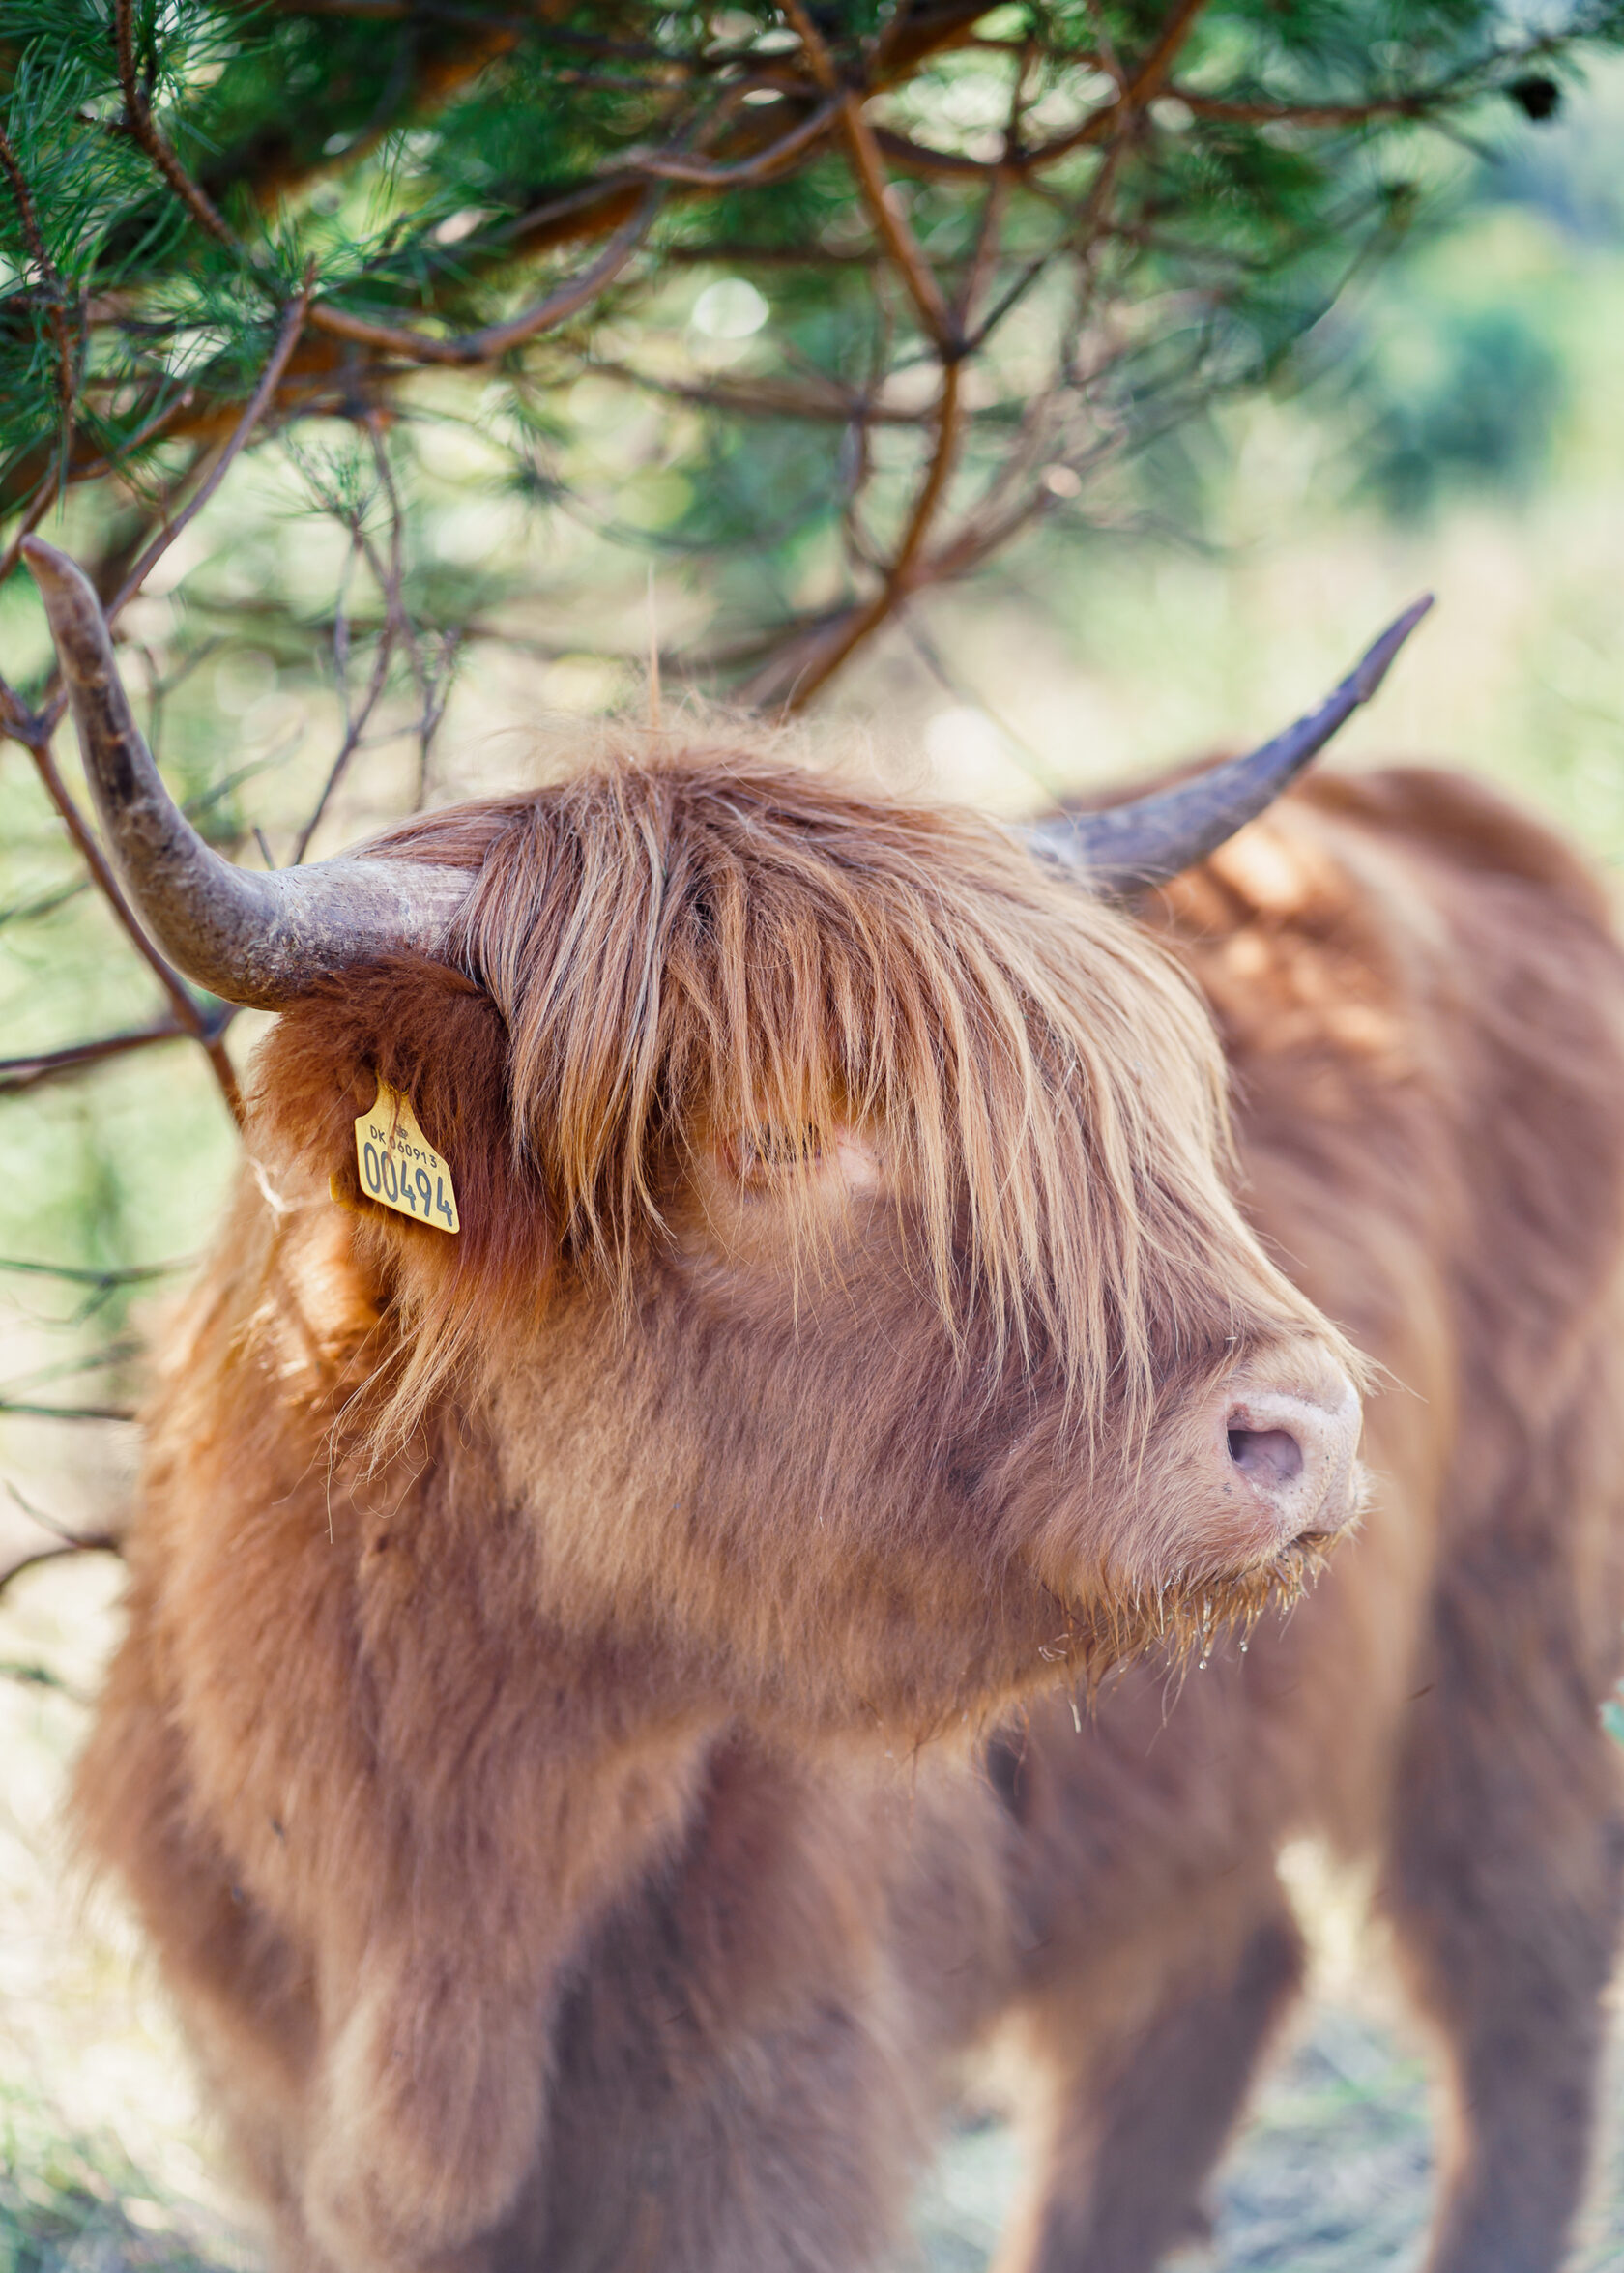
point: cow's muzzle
(1292, 1453)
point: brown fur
(1420, 998)
(515, 1750)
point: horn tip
(57, 573)
(72, 605)
(40, 555)
(1375, 665)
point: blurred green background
(1456, 422)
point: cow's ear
(412, 1028)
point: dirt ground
(105, 2160)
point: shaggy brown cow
(515, 1752)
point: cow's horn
(250, 938)
(1123, 848)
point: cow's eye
(761, 1156)
(836, 1159)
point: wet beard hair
(1182, 1624)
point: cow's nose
(1294, 1454)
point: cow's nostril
(1292, 1456)
(1272, 1456)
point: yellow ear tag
(400, 1168)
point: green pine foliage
(1124, 209)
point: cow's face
(848, 1277)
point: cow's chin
(1185, 1619)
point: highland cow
(580, 1747)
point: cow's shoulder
(1459, 819)
(1363, 909)
(1421, 997)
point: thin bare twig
(26, 527)
(12, 704)
(354, 726)
(433, 692)
(829, 647)
(396, 630)
(746, 172)
(96, 1290)
(984, 257)
(33, 1675)
(63, 1541)
(17, 1074)
(48, 903)
(187, 1014)
(24, 1410)
(80, 1275)
(185, 1011)
(495, 340)
(828, 402)
(253, 411)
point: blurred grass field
(1461, 428)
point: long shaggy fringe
(695, 947)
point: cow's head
(848, 1288)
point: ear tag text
(400, 1168)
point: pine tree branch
(320, 377)
(883, 210)
(592, 209)
(56, 300)
(744, 172)
(138, 118)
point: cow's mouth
(1187, 1620)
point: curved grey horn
(1123, 848)
(250, 938)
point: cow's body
(1422, 1003)
(509, 1940)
